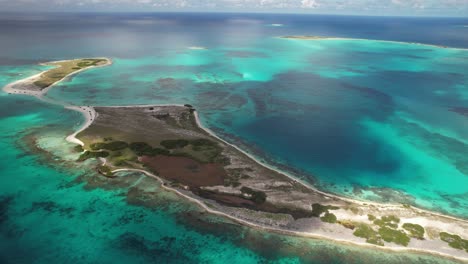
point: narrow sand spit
(335, 233)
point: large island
(168, 143)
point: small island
(37, 85)
(306, 37)
(168, 143)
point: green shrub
(174, 143)
(347, 224)
(318, 209)
(415, 230)
(371, 236)
(329, 218)
(371, 217)
(395, 236)
(391, 218)
(454, 241)
(202, 142)
(78, 148)
(112, 146)
(141, 148)
(256, 196)
(159, 151)
(354, 210)
(91, 154)
(382, 223)
(105, 170)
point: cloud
(386, 7)
(309, 4)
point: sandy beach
(305, 228)
(316, 38)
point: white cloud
(309, 4)
(397, 7)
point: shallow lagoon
(359, 118)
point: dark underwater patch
(52, 207)
(161, 251)
(5, 203)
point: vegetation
(371, 217)
(105, 170)
(389, 221)
(64, 68)
(140, 148)
(203, 142)
(385, 232)
(258, 197)
(89, 62)
(354, 210)
(395, 236)
(143, 149)
(371, 236)
(93, 154)
(203, 150)
(318, 209)
(329, 218)
(174, 143)
(415, 230)
(78, 148)
(113, 146)
(347, 224)
(454, 241)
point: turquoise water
(366, 119)
(350, 114)
(54, 210)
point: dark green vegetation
(388, 231)
(143, 149)
(105, 170)
(347, 224)
(89, 62)
(78, 148)
(318, 209)
(235, 175)
(258, 197)
(396, 236)
(112, 146)
(371, 236)
(390, 221)
(63, 69)
(93, 154)
(202, 150)
(454, 241)
(415, 230)
(174, 143)
(329, 218)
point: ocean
(369, 116)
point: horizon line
(225, 12)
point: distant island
(306, 37)
(168, 143)
(38, 84)
(313, 37)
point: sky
(354, 7)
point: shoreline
(329, 237)
(88, 112)
(90, 115)
(289, 232)
(307, 185)
(318, 38)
